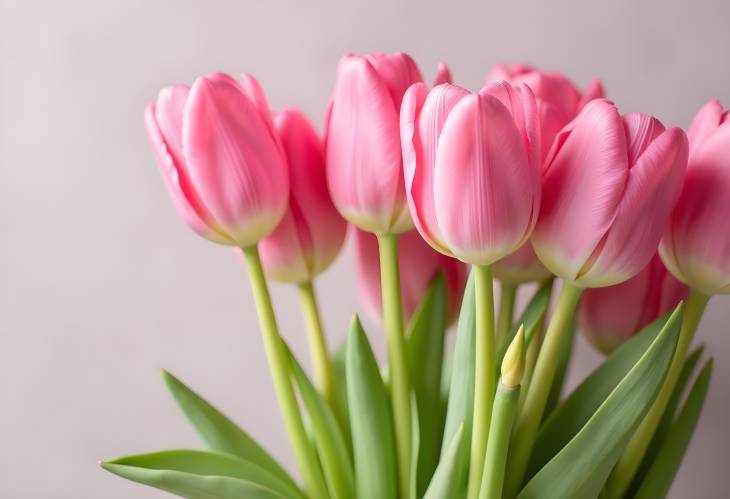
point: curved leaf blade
(449, 479)
(581, 468)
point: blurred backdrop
(103, 285)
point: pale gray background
(103, 284)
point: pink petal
(364, 164)
(521, 266)
(705, 122)
(594, 90)
(235, 164)
(397, 71)
(641, 130)
(443, 74)
(651, 193)
(583, 181)
(483, 181)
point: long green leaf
(339, 356)
(460, 407)
(425, 348)
(415, 448)
(449, 479)
(202, 475)
(570, 416)
(329, 441)
(220, 433)
(659, 479)
(370, 420)
(581, 468)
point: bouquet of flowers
(528, 180)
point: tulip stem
(557, 334)
(484, 374)
(399, 383)
(507, 295)
(280, 366)
(322, 364)
(623, 474)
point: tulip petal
(364, 163)
(443, 74)
(651, 192)
(707, 119)
(641, 130)
(398, 71)
(483, 193)
(583, 181)
(594, 90)
(236, 166)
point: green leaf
(220, 433)
(460, 408)
(329, 441)
(664, 468)
(425, 348)
(202, 475)
(339, 355)
(581, 468)
(570, 416)
(449, 479)
(370, 420)
(415, 447)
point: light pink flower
(696, 244)
(419, 264)
(471, 168)
(310, 235)
(609, 316)
(609, 185)
(220, 159)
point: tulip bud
(419, 264)
(220, 158)
(472, 168)
(609, 185)
(363, 152)
(310, 235)
(513, 363)
(696, 244)
(609, 316)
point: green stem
(507, 295)
(503, 416)
(398, 368)
(280, 366)
(558, 333)
(323, 370)
(484, 374)
(623, 474)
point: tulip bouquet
(528, 181)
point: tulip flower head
(310, 235)
(220, 158)
(609, 185)
(472, 169)
(696, 244)
(419, 264)
(363, 151)
(609, 316)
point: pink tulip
(310, 235)
(609, 185)
(220, 158)
(609, 316)
(419, 264)
(363, 152)
(472, 168)
(443, 74)
(696, 244)
(558, 99)
(520, 267)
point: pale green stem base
(484, 375)
(503, 416)
(623, 474)
(507, 296)
(280, 366)
(324, 374)
(528, 422)
(398, 368)
(530, 359)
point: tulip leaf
(660, 476)
(202, 475)
(220, 433)
(425, 349)
(339, 355)
(370, 420)
(570, 416)
(328, 439)
(581, 468)
(449, 479)
(460, 408)
(415, 449)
